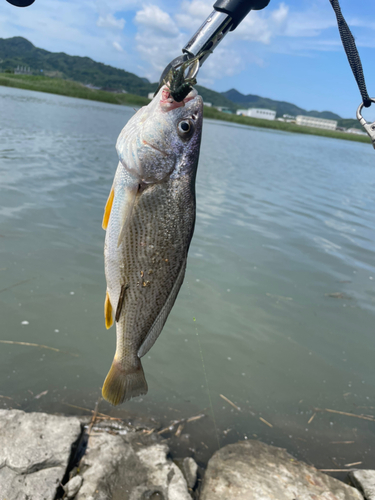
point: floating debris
(230, 402)
(38, 396)
(311, 419)
(279, 297)
(338, 295)
(265, 422)
(16, 284)
(363, 417)
(29, 344)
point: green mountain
(281, 107)
(18, 51)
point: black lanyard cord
(352, 53)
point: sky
(289, 51)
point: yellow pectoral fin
(108, 312)
(108, 208)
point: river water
(277, 310)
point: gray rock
(365, 481)
(252, 470)
(99, 467)
(163, 473)
(113, 469)
(34, 453)
(190, 468)
(72, 487)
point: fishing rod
(228, 14)
(225, 17)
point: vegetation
(74, 89)
(69, 88)
(18, 51)
(287, 127)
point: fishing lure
(179, 85)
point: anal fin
(108, 312)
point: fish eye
(184, 128)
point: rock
(34, 453)
(99, 466)
(163, 473)
(112, 468)
(72, 487)
(252, 470)
(365, 481)
(190, 468)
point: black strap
(352, 53)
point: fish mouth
(167, 103)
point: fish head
(163, 138)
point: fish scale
(150, 226)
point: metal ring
(193, 69)
(360, 107)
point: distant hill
(281, 107)
(215, 98)
(18, 51)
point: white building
(151, 95)
(311, 121)
(266, 114)
(208, 104)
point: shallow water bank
(280, 281)
(73, 89)
(52, 457)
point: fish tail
(121, 385)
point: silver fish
(149, 219)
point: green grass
(69, 88)
(74, 89)
(287, 127)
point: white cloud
(223, 62)
(262, 26)
(118, 47)
(109, 21)
(152, 18)
(158, 39)
(193, 13)
(156, 31)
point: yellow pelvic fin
(108, 208)
(108, 312)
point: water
(283, 222)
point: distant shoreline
(73, 89)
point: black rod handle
(239, 9)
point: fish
(149, 220)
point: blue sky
(290, 51)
